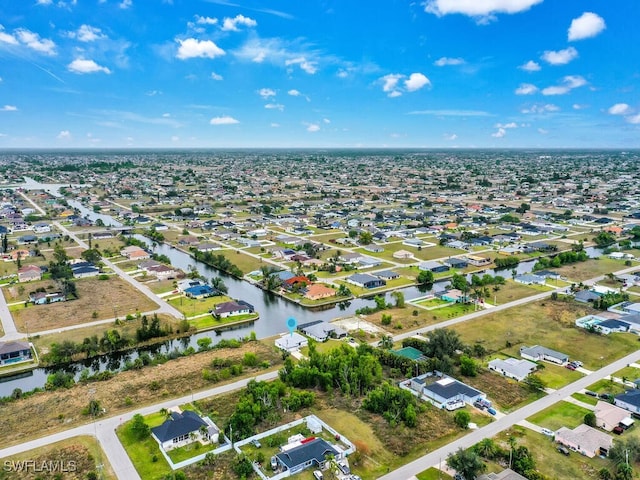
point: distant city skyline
(330, 74)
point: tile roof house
(29, 273)
(318, 291)
(584, 439)
(515, 368)
(184, 428)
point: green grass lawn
(188, 451)
(607, 386)
(197, 306)
(142, 453)
(511, 291)
(432, 302)
(210, 321)
(323, 347)
(433, 474)
(591, 268)
(630, 373)
(585, 398)
(555, 376)
(562, 414)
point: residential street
(434, 458)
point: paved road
(105, 428)
(10, 330)
(433, 458)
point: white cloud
(7, 38)
(506, 125)
(192, 48)
(306, 65)
(483, 10)
(500, 133)
(568, 83)
(526, 89)
(44, 2)
(294, 93)
(312, 127)
(342, 73)
(586, 25)
(530, 66)
(326, 120)
(634, 119)
(166, 115)
(394, 94)
(175, 138)
(64, 135)
(416, 81)
(390, 81)
(34, 42)
(153, 93)
(215, 76)
(274, 125)
(231, 24)
(206, 20)
(540, 109)
(619, 109)
(9, 108)
(266, 93)
(450, 137)
(125, 4)
(446, 61)
(542, 131)
(224, 120)
(560, 57)
(81, 65)
(87, 33)
(274, 106)
(579, 106)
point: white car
(547, 432)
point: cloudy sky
(319, 73)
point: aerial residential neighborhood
(193, 316)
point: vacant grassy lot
(607, 386)
(549, 323)
(505, 393)
(581, 271)
(433, 474)
(555, 376)
(197, 306)
(208, 321)
(562, 414)
(585, 398)
(84, 451)
(548, 461)
(98, 299)
(52, 411)
(511, 291)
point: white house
(518, 369)
(183, 428)
(537, 353)
(291, 342)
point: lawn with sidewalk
(561, 414)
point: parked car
(274, 463)
(547, 432)
(491, 410)
(618, 430)
(577, 363)
(317, 474)
(344, 468)
(569, 366)
(589, 392)
(562, 449)
(256, 443)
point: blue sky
(329, 73)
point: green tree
(425, 277)
(462, 419)
(624, 472)
(92, 255)
(486, 448)
(590, 419)
(386, 342)
(139, 428)
(365, 238)
(399, 298)
(467, 463)
(534, 383)
(468, 366)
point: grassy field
(511, 291)
(591, 268)
(208, 321)
(562, 414)
(98, 299)
(607, 386)
(142, 453)
(506, 394)
(555, 376)
(84, 451)
(549, 323)
(548, 461)
(630, 373)
(585, 398)
(433, 474)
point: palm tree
(386, 342)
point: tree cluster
(563, 258)
(393, 403)
(218, 261)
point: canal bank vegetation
(47, 412)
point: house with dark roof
(321, 331)
(199, 291)
(629, 400)
(537, 353)
(444, 390)
(84, 269)
(456, 263)
(183, 428)
(366, 281)
(230, 309)
(586, 296)
(14, 352)
(433, 266)
(312, 452)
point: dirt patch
(49, 412)
(505, 393)
(98, 299)
(353, 324)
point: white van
(317, 474)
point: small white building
(515, 368)
(291, 342)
